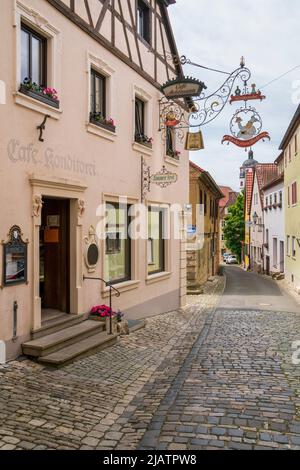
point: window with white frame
(101, 105)
(156, 239)
(142, 119)
(38, 62)
(294, 193)
(144, 20)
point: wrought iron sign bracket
(42, 127)
(145, 179)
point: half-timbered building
(79, 132)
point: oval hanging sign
(182, 87)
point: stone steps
(61, 339)
(82, 348)
(57, 324)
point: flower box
(143, 140)
(104, 125)
(173, 154)
(39, 96)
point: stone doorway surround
(67, 189)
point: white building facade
(274, 232)
(256, 233)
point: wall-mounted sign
(51, 235)
(164, 178)
(182, 87)
(53, 221)
(14, 258)
(194, 141)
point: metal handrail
(111, 288)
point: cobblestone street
(208, 377)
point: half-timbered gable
(136, 31)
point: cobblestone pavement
(207, 377)
(237, 389)
(104, 401)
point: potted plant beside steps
(103, 313)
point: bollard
(2, 352)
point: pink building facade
(106, 61)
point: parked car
(225, 256)
(231, 259)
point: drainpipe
(15, 320)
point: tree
(234, 230)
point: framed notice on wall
(14, 258)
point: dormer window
(143, 20)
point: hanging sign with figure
(246, 128)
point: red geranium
(102, 311)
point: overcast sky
(216, 34)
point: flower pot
(97, 318)
(39, 96)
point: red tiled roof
(248, 189)
(196, 167)
(229, 196)
(265, 172)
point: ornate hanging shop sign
(246, 95)
(184, 108)
(182, 87)
(194, 141)
(246, 128)
(163, 178)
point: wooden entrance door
(54, 255)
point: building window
(294, 247)
(290, 153)
(275, 244)
(267, 236)
(205, 203)
(156, 240)
(33, 57)
(275, 198)
(200, 196)
(271, 200)
(267, 200)
(139, 120)
(296, 144)
(294, 194)
(117, 266)
(288, 240)
(98, 94)
(143, 20)
(280, 197)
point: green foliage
(234, 230)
